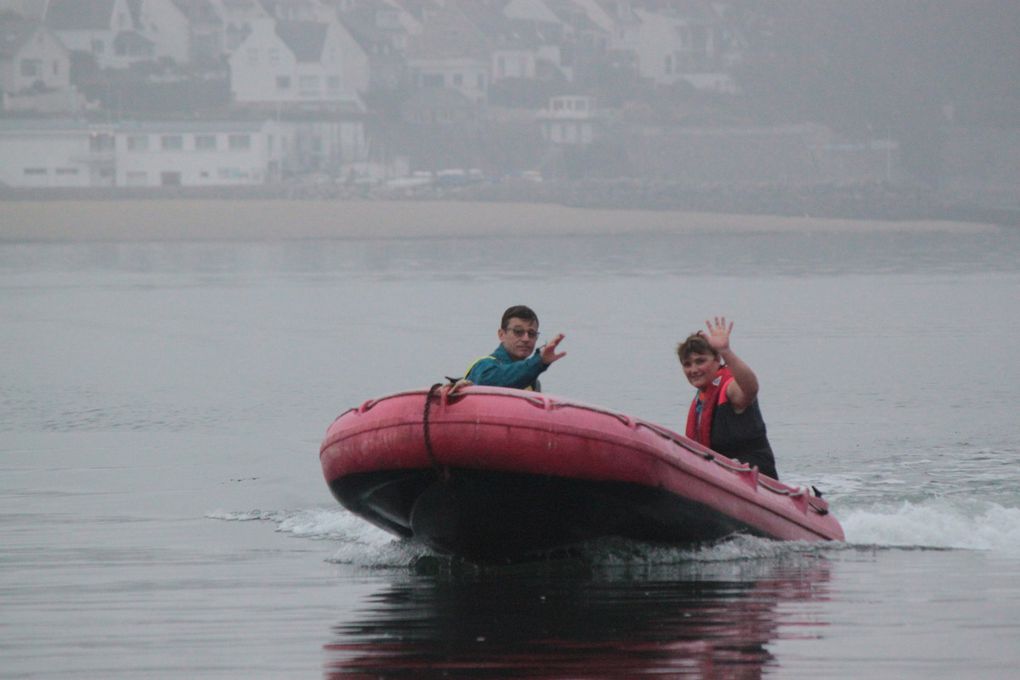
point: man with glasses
(516, 363)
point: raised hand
(548, 352)
(719, 333)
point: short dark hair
(696, 343)
(517, 312)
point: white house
(570, 120)
(451, 52)
(32, 57)
(105, 29)
(238, 17)
(166, 24)
(383, 39)
(519, 47)
(676, 47)
(299, 62)
(618, 19)
(206, 30)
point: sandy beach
(253, 220)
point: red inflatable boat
(493, 474)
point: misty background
(843, 108)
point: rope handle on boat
(451, 388)
(425, 426)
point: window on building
(67, 171)
(274, 55)
(138, 142)
(333, 84)
(309, 84)
(101, 141)
(282, 82)
(432, 80)
(136, 178)
(36, 171)
(205, 142)
(458, 80)
(170, 178)
(253, 56)
(231, 173)
(31, 68)
(239, 142)
(172, 142)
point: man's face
(519, 338)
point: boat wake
(360, 544)
(934, 524)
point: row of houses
(306, 66)
(283, 52)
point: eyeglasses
(521, 332)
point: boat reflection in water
(572, 619)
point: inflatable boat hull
(494, 474)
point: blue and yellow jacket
(500, 370)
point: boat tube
(497, 474)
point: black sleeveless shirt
(742, 436)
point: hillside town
(652, 103)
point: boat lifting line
(443, 470)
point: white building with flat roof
(69, 153)
(196, 154)
(53, 153)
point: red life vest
(714, 394)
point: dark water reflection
(570, 621)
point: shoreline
(202, 219)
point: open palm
(719, 333)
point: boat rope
(455, 384)
(427, 435)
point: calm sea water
(163, 513)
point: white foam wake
(937, 523)
(930, 524)
(313, 523)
